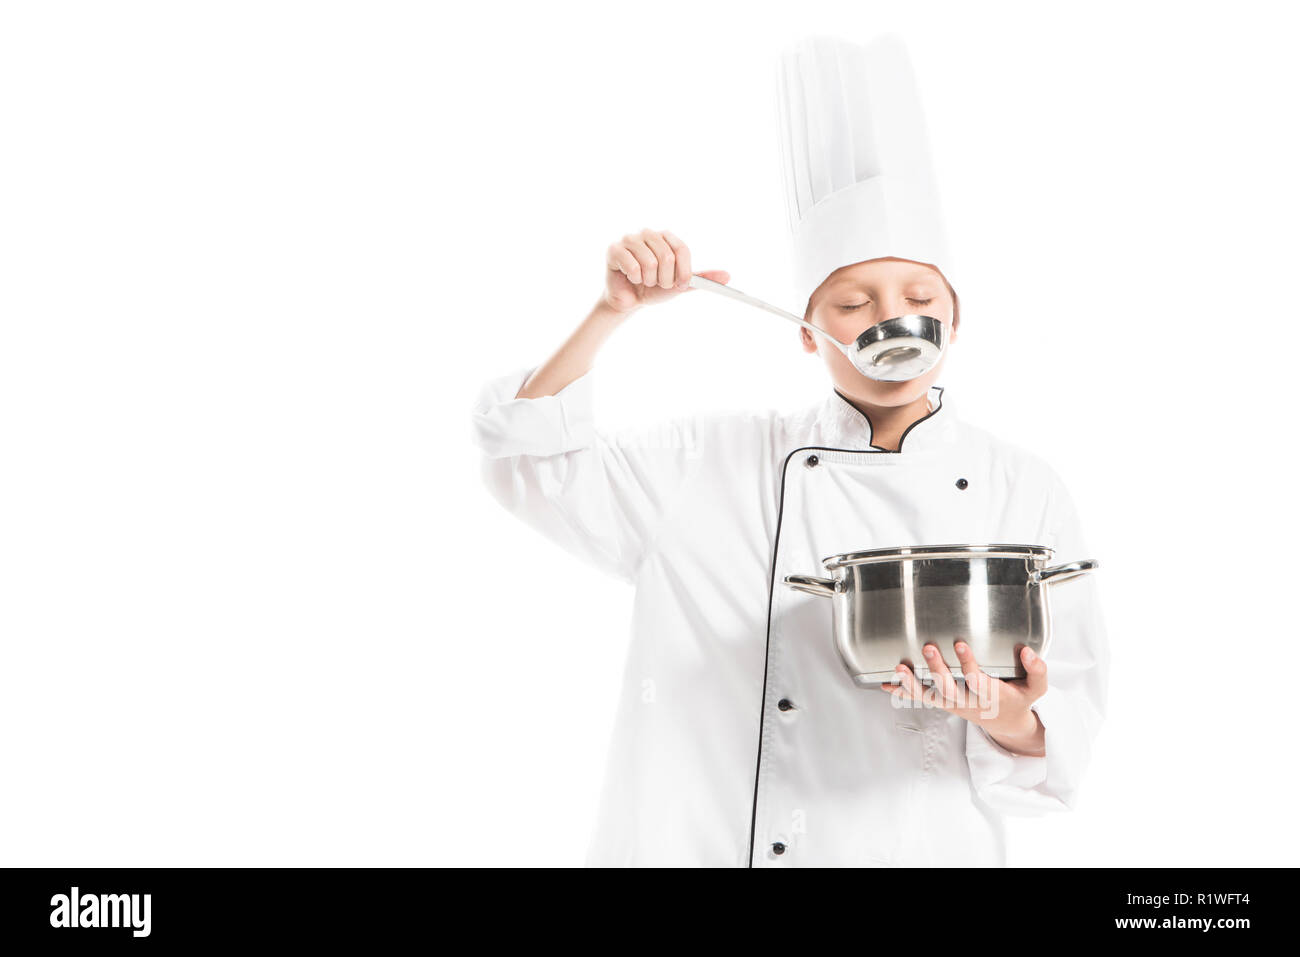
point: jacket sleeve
(1074, 705)
(601, 495)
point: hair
(956, 303)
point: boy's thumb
(717, 275)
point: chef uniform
(740, 739)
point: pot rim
(914, 552)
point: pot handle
(1061, 573)
(821, 587)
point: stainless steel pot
(889, 602)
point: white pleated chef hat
(856, 158)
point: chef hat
(856, 158)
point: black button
(811, 461)
(778, 848)
(962, 483)
(784, 704)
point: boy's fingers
(911, 685)
(900, 688)
(987, 690)
(939, 672)
(683, 257)
(976, 683)
(645, 259)
(966, 658)
(664, 254)
(623, 261)
(1036, 681)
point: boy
(740, 738)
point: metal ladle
(890, 351)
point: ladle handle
(699, 282)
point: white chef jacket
(740, 738)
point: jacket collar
(848, 428)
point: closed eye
(919, 302)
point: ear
(809, 343)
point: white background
(256, 260)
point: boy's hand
(1000, 707)
(648, 267)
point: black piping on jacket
(771, 586)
